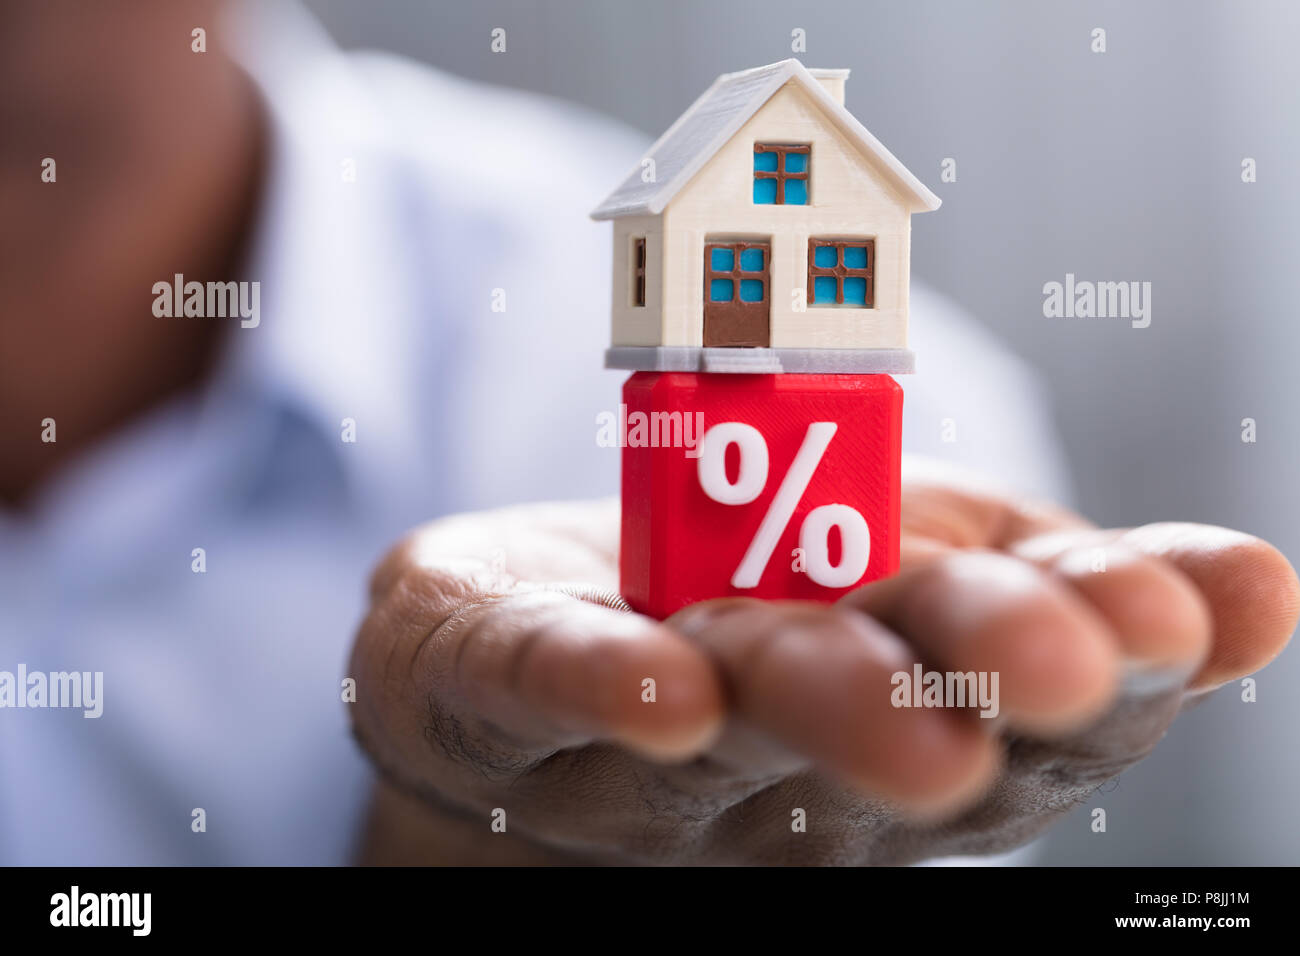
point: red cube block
(771, 486)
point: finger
(499, 679)
(1162, 625)
(1160, 619)
(1045, 778)
(1250, 589)
(557, 671)
(1056, 658)
(818, 680)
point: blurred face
(153, 150)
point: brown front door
(736, 294)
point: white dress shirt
(222, 689)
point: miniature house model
(767, 230)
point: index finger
(512, 673)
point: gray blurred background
(1124, 165)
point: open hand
(497, 669)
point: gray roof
(718, 115)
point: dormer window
(781, 174)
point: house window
(638, 271)
(840, 272)
(781, 174)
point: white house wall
(847, 198)
(638, 325)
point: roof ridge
(697, 134)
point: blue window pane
(824, 289)
(765, 161)
(796, 162)
(855, 257)
(721, 290)
(765, 191)
(824, 257)
(751, 260)
(751, 290)
(724, 260)
(855, 290)
(796, 192)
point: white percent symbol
(751, 479)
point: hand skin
(491, 674)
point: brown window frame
(638, 272)
(780, 174)
(840, 271)
(736, 274)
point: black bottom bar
(927, 905)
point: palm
(496, 677)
